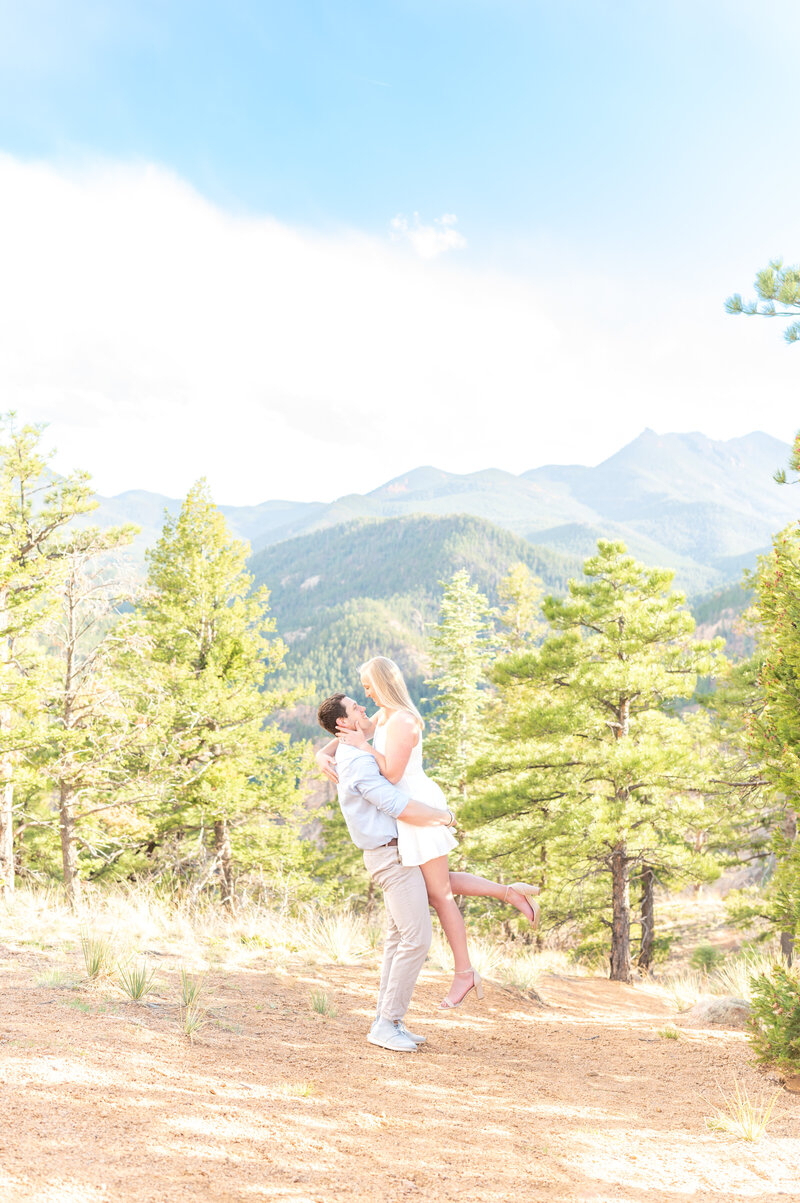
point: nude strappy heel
(477, 986)
(527, 891)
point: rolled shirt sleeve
(374, 788)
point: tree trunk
(648, 918)
(225, 861)
(6, 764)
(699, 843)
(69, 846)
(787, 947)
(6, 825)
(787, 937)
(66, 791)
(621, 916)
(620, 960)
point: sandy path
(579, 1100)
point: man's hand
(327, 766)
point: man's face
(353, 712)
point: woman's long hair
(388, 686)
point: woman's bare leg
(472, 886)
(437, 880)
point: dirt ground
(509, 1100)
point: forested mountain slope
(367, 588)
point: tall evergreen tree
(35, 509)
(773, 730)
(88, 733)
(520, 594)
(589, 759)
(460, 649)
(230, 774)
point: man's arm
(392, 801)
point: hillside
(366, 588)
(701, 506)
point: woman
(396, 731)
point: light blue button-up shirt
(370, 804)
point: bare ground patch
(582, 1099)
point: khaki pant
(408, 928)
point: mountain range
(701, 506)
(361, 575)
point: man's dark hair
(331, 709)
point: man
(371, 806)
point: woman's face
(367, 688)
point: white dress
(416, 845)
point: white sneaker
(402, 1027)
(386, 1034)
(411, 1035)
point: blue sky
(627, 164)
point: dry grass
(733, 979)
(741, 1116)
(683, 989)
(338, 937)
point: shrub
(775, 1020)
(706, 958)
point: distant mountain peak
(700, 505)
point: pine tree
(773, 734)
(35, 509)
(230, 775)
(520, 594)
(589, 760)
(460, 649)
(89, 734)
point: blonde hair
(388, 687)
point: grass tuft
(98, 955)
(521, 972)
(742, 1116)
(136, 980)
(191, 987)
(57, 979)
(321, 1004)
(669, 1033)
(685, 989)
(735, 977)
(298, 1090)
(193, 1019)
(342, 937)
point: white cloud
(428, 241)
(165, 339)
